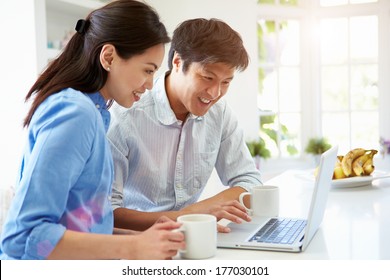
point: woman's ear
(107, 56)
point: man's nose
(214, 91)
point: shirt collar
(100, 104)
(163, 109)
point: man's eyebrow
(212, 73)
(229, 78)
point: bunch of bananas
(357, 162)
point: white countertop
(356, 224)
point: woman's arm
(158, 242)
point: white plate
(359, 181)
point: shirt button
(98, 106)
(179, 186)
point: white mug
(200, 231)
(264, 201)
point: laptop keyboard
(279, 230)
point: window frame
(309, 13)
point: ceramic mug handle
(182, 230)
(241, 200)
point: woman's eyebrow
(152, 64)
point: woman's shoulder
(70, 98)
(73, 96)
(66, 104)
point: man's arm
(224, 205)
(137, 220)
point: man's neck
(177, 107)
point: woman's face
(128, 79)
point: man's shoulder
(146, 101)
(219, 109)
(220, 105)
(143, 104)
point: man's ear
(107, 56)
(176, 61)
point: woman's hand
(159, 241)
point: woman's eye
(150, 72)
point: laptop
(285, 234)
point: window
(327, 3)
(349, 80)
(279, 75)
(319, 72)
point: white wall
(23, 28)
(241, 16)
(17, 73)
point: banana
(368, 166)
(338, 172)
(346, 163)
(357, 164)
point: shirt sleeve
(235, 165)
(119, 149)
(60, 141)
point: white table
(356, 224)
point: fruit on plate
(368, 166)
(346, 162)
(338, 172)
(357, 162)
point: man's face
(199, 88)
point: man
(166, 146)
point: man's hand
(231, 210)
(163, 219)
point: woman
(61, 208)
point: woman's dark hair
(129, 25)
(208, 41)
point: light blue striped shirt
(65, 176)
(162, 164)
